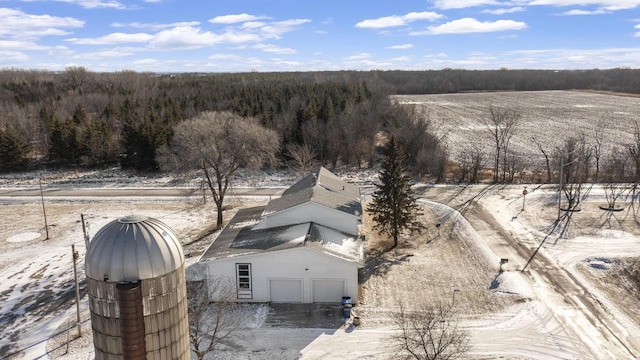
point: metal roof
(133, 248)
(239, 238)
(321, 187)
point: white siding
(312, 212)
(285, 290)
(299, 263)
(328, 290)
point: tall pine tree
(394, 206)
(14, 151)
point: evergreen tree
(13, 151)
(142, 137)
(394, 206)
(65, 142)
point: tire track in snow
(572, 303)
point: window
(243, 281)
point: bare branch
(429, 332)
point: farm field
(550, 116)
(558, 296)
(562, 305)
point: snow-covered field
(556, 306)
(548, 116)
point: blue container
(346, 307)
(346, 312)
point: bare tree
(470, 160)
(218, 144)
(614, 178)
(303, 157)
(598, 138)
(421, 137)
(514, 165)
(574, 160)
(501, 124)
(429, 333)
(76, 78)
(546, 157)
(212, 323)
(634, 150)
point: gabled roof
(239, 239)
(244, 236)
(326, 179)
(321, 187)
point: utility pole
(560, 186)
(46, 227)
(84, 231)
(75, 275)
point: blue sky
(298, 35)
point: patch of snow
(511, 282)
(26, 236)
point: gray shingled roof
(238, 239)
(323, 188)
(326, 179)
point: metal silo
(137, 291)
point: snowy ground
(559, 307)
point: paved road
(71, 193)
(580, 312)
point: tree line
(78, 118)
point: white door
(287, 291)
(328, 291)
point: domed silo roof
(133, 248)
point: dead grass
(426, 266)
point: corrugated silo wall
(165, 317)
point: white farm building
(303, 247)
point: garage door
(288, 291)
(328, 291)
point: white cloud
(114, 38)
(360, 56)
(231, 57)
(401, 59)
(638, 33)
(572, 58)
(461, 4)
(400, 47)
(610, 5)
(504, 10)
(278, 28)
(107, 54)
(270, 48)
(470, 25)
(11, 57)
(187, 37)
(95, 4)
(154, 26)
(232, 19)
(18, 24)
(20, 45)
(577, 12)
(397, 20)
(253, 25)
(288, 63)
